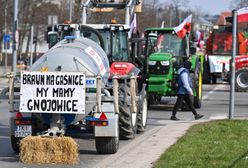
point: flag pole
(232, 64)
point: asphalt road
(215, 105)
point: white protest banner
(52, 92)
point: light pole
(15, 36)
(5, 33)
(70, 10)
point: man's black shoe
(198, 116)
(174, 118)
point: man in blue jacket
(185, 92)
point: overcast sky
(211, 6)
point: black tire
(127, 119)
(198, 97)
(127, 128)
(206, 73)
(197, 102)
(198, 86)
(107, 145)
(241, 80)
(214, 78)
(154, 99)
(15, 143)
(142, 114)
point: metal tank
(74, 55)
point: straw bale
(44, 150)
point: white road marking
(212, 91)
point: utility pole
(170, 15)
(70, 10)
(31, 45)
(5, 33)
(232, 64)
(15, 36)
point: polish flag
(243, 14)
(133, 26)
(184, 27)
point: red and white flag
(133, 26)
(243, 14)
(184, 27)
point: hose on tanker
(85, 28)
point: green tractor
(162, 57)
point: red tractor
(218, 55)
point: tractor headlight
(152, 62)
(165, 63)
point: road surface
(215, 105)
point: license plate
(23, 130)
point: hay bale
(43, 150)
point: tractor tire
(198, 97)
(107, 145)
(206, 73)
(214, 78)
(142, 114)
(15, 143)
(241, 80)
(198, 86)
(127, 119)
(154, 99)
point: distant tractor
(218, 55)
(168, 51)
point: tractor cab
(115, 40)
(165, 43)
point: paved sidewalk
(148, 148)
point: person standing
(185, 92)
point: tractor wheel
(127, 118)
(15, 143)
(142, 114)
(107, 145)
(154, 99)
(214, 78)
(206, 73)
(241, 80)
(198, 87)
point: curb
(143, 151)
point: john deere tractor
(162, 57)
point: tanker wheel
(241, 80)
(107, 145)
(142, 114)
(127, 118)
(15, 143)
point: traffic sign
(6, 38)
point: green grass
(215, 144)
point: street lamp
(15, 36)
(5, 33)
